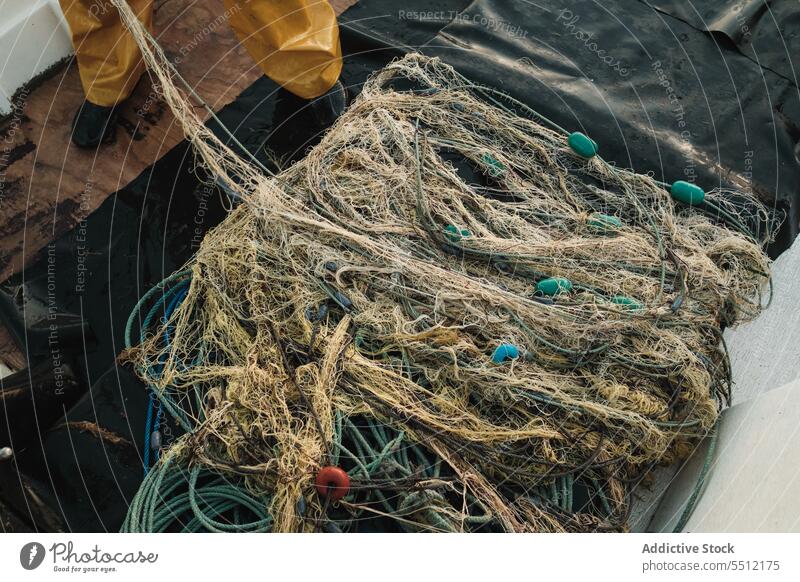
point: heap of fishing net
(347, 312)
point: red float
(332, 482)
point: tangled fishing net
(510, 353)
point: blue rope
(154, 409)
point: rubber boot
(327, 108)
(94, 125)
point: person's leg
(295, 42)
(109, 63)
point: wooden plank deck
(47, 186)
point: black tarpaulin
(767, 31)
(657, 94)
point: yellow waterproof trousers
(295, 42)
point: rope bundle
(513, 352)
